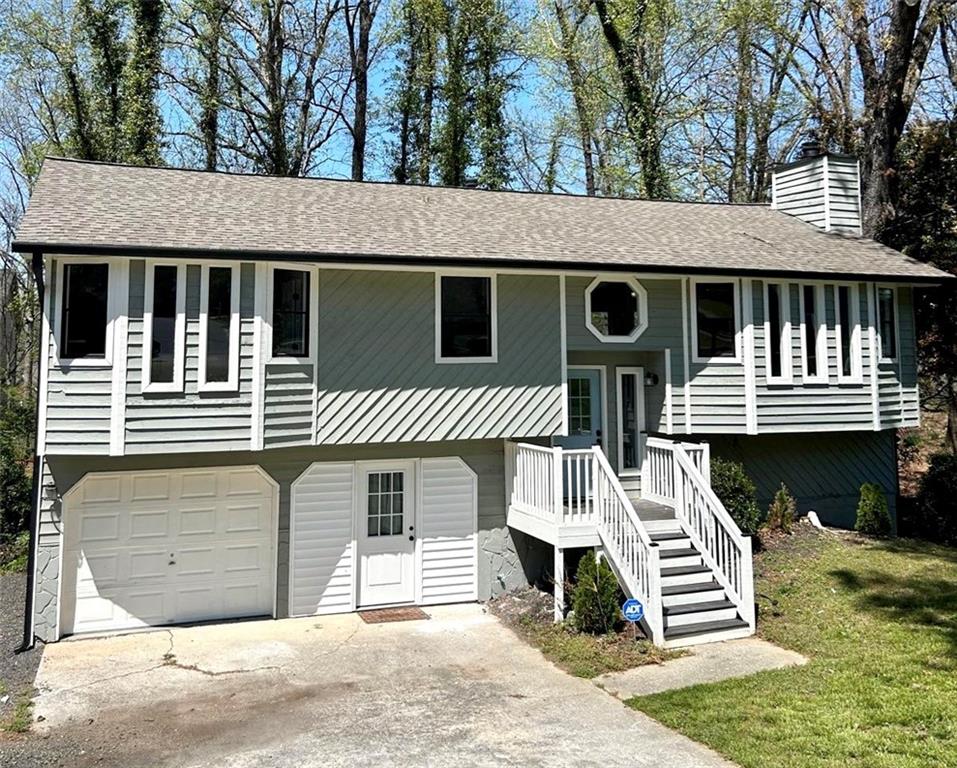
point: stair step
(666, 554)
(704, 627)
(712, 605)
(668, 535)
(685, 570)
(682, 589)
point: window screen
(83, 311)
(811, 323)
(466, 320)
(888, 322)
(219, 306)
(290, 313)
(163, 341)
(714, 307)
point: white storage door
(321, 557)
(449, 571)
(165, 547)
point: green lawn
(879, 622)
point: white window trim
(693, 311)
(857, 368)
(493, 278)
(878, 324)
(642, 296)
(232, 382)
(179, 331)
(639, 374)
(312, 318)
(785, 341)
(112, 312)
(820, 336)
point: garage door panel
(203, 551)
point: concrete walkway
(459, 689)
(704, 664)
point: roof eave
(100, 249)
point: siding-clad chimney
(821, 188)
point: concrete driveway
(459, 689)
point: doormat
(384, 615)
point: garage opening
(150, 548)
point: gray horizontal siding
(288, 404)
(844, 189)
(824, 472)
(379, 382)
(898, 392)
(79, 398)
(799, 191)
(190, 420)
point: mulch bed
(17, 670)
(388, 615)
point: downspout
(27, 644)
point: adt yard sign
(632, 610)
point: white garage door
(151, 548)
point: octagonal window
(616, 309)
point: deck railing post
(557, 484)
(747, 583)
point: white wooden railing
(679, 475)
(579, 487)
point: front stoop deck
(704, 664)
(696, 609)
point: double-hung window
(887, 322)
(84, 312)
(465, 327)
(219, 328)
(715, 323)
(164, 328)
(813, 335)
(291, 291)
(777, 331)
(848, 331)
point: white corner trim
(820, 335)
(642, 300)
(44, 352)
(686, 350)
(232, 381)
(872, 338)
(826, 176)
(562, 302)
(179, 332)
(120, 341)
(493, 280)
(736, 284)
(750, 369)
(669, 395)
(785, 341)
(259, 367)
(314, 351)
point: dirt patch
(916, 446)
(17, 670)
(528, 613)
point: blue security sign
(632, 610)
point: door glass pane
(385, 506)
(219, 315)
(579, 406)
(163, 349)
(629, 418)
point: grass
(13, 556)
(586, 655)
(20, 720)
(878, 619)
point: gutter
(439, 262)
(34, 541)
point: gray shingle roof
(92, 207)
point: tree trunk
(360, 71)
(577, 78)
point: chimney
(820, 187)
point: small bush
(935, 515)
(595, 596)
(873, 518)
(737, 492)
(782, 511)
(13, 556)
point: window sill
(779, 381)
(282, 360)
(162, 389)
(464, 360)
(716, 360)
(82, 362)
(218, 387)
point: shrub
(873, 517)
(595, 596)
(782, 511)
(936, 512)
(737, 492)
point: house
(283, 397)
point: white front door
(386, 527)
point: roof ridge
(417, 185)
